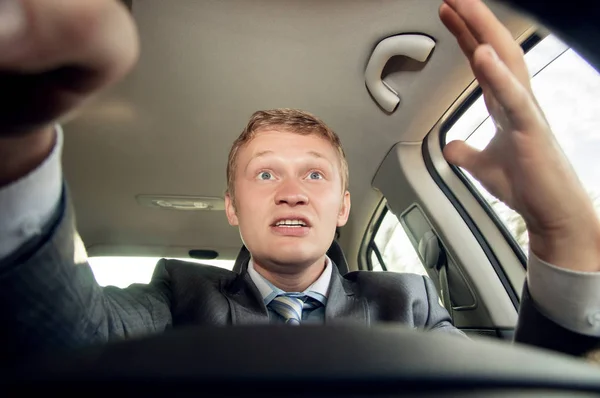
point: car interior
(165, 132)
(145, 165)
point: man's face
(288, 199)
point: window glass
(375, 262)
(394, 245)
(567, 88)
(123, 271)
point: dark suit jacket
(49, 302)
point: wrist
(576, 248)
(21, 154)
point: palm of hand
(526, 169)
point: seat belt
(442, 268)
(434, 256)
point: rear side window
(391, 248)
(568, 90)
(123, 271)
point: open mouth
(291, 227)
(291, 223)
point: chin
(295, 254)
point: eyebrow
(261, 153)
(269, 152)
(316, 154)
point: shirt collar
(318, 290)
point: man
(287, 192)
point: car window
(392, 250)
(567, 88)
(123, 271)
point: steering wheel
(312, 360)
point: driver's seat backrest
(334, 253)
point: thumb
(460, 154)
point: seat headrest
(242, 258)
(335, 253)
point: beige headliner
(205, 67)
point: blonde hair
(290, 120)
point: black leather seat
(334, 253)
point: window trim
(481, 240)
(433, 273)
(527, 45)
(379, 215)
(372, 246)
(514, 245)
(475, 94)
(364, 253)
(373, 249)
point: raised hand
(523, 164)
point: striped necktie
(290, 305)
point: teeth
(291, 223)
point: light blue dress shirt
(318, 291)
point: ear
(344, 210)
(230, 211)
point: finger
(515, 99)
(486, 28)
(40, 35)
(484, 169)
(462, 155)
(457, 27)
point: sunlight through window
(567, 89)
(123, 271)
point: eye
(265, 175)
(315, 175)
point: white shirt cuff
(27, 204)
(569, 298)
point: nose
(291, 193)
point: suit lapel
(342, 304)
(245, 302)
(247, 306)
